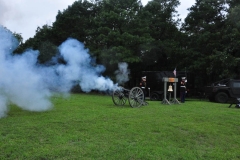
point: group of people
(143, 85)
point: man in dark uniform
(143, 85)
(183, 90)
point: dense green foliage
(84, 126)
(150, 37)
(212, 40)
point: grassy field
(91, 127)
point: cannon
(135, 97)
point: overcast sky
(24, 16)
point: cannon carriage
(135, 97)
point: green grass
(91, 127)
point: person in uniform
(183, 90)
(143, 85)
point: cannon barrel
(123, 89)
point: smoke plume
(122, 73)
(30, 86)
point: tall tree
(19, 37)
(42, 35)
(205, 25)
(73, 22)
(232, 33)
(162, 20)
(119, 32)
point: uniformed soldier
(143, 85)
(183, 89)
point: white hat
(144, 77)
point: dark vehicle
(223, 90)
(156, 84)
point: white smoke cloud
(20, 83)
(29, 85)
(122, 73)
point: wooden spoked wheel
(118, 97)
(136, 97)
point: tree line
(150, 37)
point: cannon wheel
(136, 97)
(118, 97)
